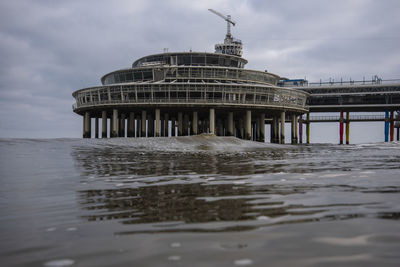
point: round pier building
(189, 93)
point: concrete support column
(241, 128)
(166, 123)
(180, 124)
(104, 124)
(262, 127)
(301, 129)
(308, 128)
(122, 126)
(87, 126)
(150, 126)
(386, 126)
(212, 121)
(248, 124)
(257, 130)
(341, 128)
(347, 128)
(219, 128)
(138, 126)
(293, 129)
(185, 125)
(131, 128)
(158, 123)
(96, 127)
(398, 134)
(296, 129)
(195, 123)
(283, 117)
(143, 126)
(275, 130)
(271, 134)
(173, 126)
(114, 128)
(230, 124)
(391, 126)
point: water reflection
(164, 191)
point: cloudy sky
(51, 48)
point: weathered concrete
(131, 125)
(122, 126)
(180, 124)
(143, 125)
(248, 124)
(114, 130)
(195, 123)
(262, 127)
(212, 120)
(104, 124)
(96, 127)
(158, 123)
(166, 124)
(87, 125)
(283, 118)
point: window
(212, 60)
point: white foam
(243, 262)
(174, 258)
(175, 245)
(59, 263)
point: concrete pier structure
(192, 93)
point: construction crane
(230, 46)
(228, 20)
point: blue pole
(386, 126)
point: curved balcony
(190, 95)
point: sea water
(198, 201)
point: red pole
(341, 128)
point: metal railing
(351, 118)
(353, 83)
(195, 101)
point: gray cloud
(49, 49)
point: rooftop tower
(231, 46)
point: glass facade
(209, 74)
(192, 59)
